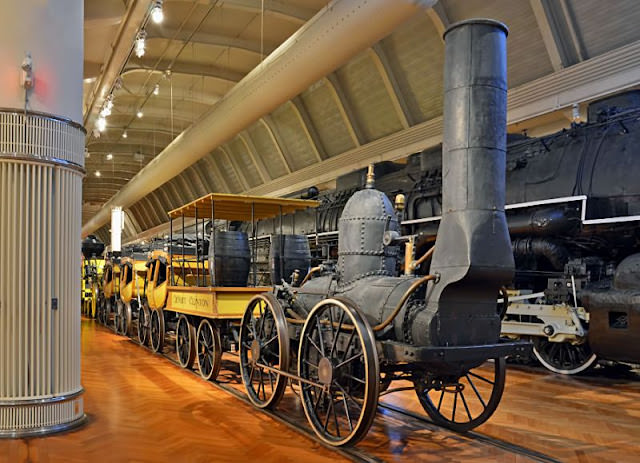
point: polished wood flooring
(143, 408)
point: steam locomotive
(572, 209)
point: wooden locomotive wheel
(209, 350)
(466, 402)
(338, 356)
(143, 325)
(563, 357)
(264, 351)
(185, 342)
(156, 330)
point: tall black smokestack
(473, 250)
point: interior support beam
(383, 66)
(217, 174)
(255, 157)
(347, 113)
(236, 169)
(439, 19)
(267, 122)
(548, 37)
(307, 126)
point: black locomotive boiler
(346, 331)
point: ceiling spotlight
(139, 113)
(124, 134)
(101, 124)
(98, 174)
(156, 90)
(140, 38)
(156, 12)
(86, 152)
(109, 157)
(137, 156)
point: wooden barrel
(231, 258)
(287, 254)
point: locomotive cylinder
(473, 257)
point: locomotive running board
(399, 352)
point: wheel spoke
(351, 359)
(440, 401)
(455, 402)
(473, 386)
(335, 416)
(326, 420)
(481, 378)
(354, 378)
(346, 350)
(466, 407)
(337, 333)
(320, 337)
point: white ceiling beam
(307, 127)
(240, 175)
(547, 34)
(267, 123)
(439, 19)
(345, 109)
(385, 70)
(245, 139)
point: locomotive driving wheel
(185, 342)
(143, 324)
(156, 330)
(338, 358)
(209, 350)
(465, 402)
(264, 351)
(563, 357)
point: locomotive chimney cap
(487, 21)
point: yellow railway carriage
(200, 298)
(133, 272)
(110, 291)
(91, 285)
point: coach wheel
(156, 332)
(264, 351)
(185, 342)
(143, 324)
(209, 350)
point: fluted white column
(41, 170)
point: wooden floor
(143, 408)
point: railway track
(355, 453)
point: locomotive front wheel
(143, 325)
(156, 330)
(338, 355)
(264, 350)
(209, 350)
(463, 403)
(185, 342)
(563, 357)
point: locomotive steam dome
(361, 252)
